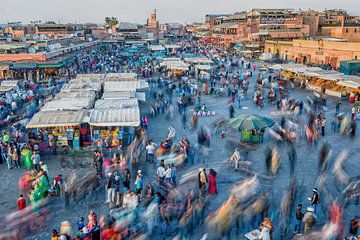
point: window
(347, 30)
(355, 57)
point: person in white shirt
(150, 151)
(235, 158)
(161, 173)
(168, 175)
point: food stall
(63, 127)
(202, 72)
(352, 85)
(111, 118)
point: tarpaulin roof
(6, 89)
(116, 103)
(199, 60)
(68, 104)
(120, 117)
(119, 95)
(156, 48)
(45, 119)
(81, 86)
(286, 66)
(9, 83)
(76, 95)
(88, 78)
(350, 84)
(125, 85)
(121, 77)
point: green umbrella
(249, 122)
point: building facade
(320, 52)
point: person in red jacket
(21, 202)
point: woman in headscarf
(212, 182)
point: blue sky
(138, 10)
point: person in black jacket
(315, 199)
(299, 217)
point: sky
(137, 11)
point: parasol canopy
(249, 122)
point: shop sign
(319, 53)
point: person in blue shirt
(81, 224)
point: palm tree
(111, 21)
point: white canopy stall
(119, 86)
(81, 86)
(68, 104)
(46, 119)
(121, 77)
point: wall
(315, 52)
(22, 57)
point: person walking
(126, 179)
(212, 182)
(139, 185)
(36, 161)
(309, 220)
(236, 159)
(21, 202)
(299, 218)
(354, 225)
(183, 120)
(110, 188)
(160, 173)
(150, 151)
(173, 175)
(231, 111)
(323, 126)
(202, 179)
(168, 175)
(292, 158)
(314, 200)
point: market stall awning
(350, 84)
(121, 77)
(6, 88)
(9, 83)
(44, 119)
(81, 86)
(116, 103)
(156, 48)
(125, 86)
(121, 117)
(199, 60)
(76, 95)
(23, 66)
(50, 65)
(118, 94)
(68, 104)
